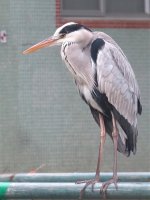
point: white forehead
(61, 27)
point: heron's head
(71, 31)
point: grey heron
(107, 84)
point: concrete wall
(42, 118)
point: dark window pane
(80, 4)
(124, 6)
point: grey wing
(117, 80)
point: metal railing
(62, 186)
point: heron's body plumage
(102, 66)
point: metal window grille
(147, 6)
(105, 8)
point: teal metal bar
(133, 190)
(73, 177)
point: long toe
(87, 183)
(106, 184)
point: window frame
(92, 13)
(104, 22)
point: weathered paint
(133, 190)
(3, 189)
(73, 177)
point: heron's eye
(62, 35)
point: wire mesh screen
(43, 121)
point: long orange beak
(45, 43)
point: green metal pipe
(139, 190)
(73, 177)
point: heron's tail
(130, 131)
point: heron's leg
(101, 146)
(114, 179)
(99, 161)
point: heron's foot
(87, 183)
(106, 184)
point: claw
(87, 183)
(106, 184)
